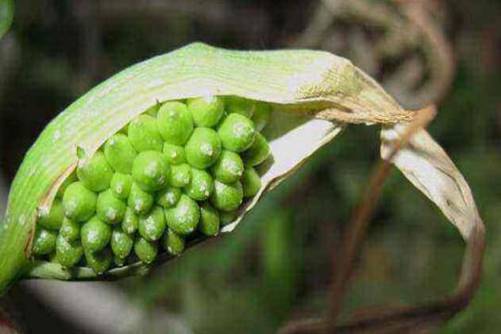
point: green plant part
(173, 243)
(228, 168)
(95, 173)
(44, 242)
(152, 226)
(236, 104)
(168, 197)
(175, 123)
(143, 134)
(120, 153)
(109, 208)
(200, 186)
(146, 250)
(100, 261)
(53, 218)
(70, 229)
(130, 222)
(150, 171)
(174, 154)
(258, 152)
(227, 197)
(69, 180)
(206, 111)
(237, 133)
(184, 217)
(119, 262)
(79, 203)
(180, 175)
(228, 217)
(251, 182)
(139, 200)
(95, 235)
(68, 253)
(261, 117)
(203, 148)
(209, 220)
(121, 243)
(120, 185)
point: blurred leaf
(6, 15)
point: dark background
(276, 266)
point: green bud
(119, 262)
(258, 152)
(150, 171)
(261, 115)
(144, 135)
(174, 154)
(99, 261)
(237, 133)
(206, 111)
(121, 243)
(44, 242)
(95, 173)
(175, 123)
(227, 197)
(200, 186)
(146, 250)
(120, 185)
(53, 218)
(68, 253)
(69, 180)
(70, 229)
(203, 148)
(79, 202)
(251, 182)
(239, 105)
(152, 226)
(228, 168)
(95, 235)
(139, 200)
(130, 222)
(228, 217)
(184, 217)
(180, 175)
(169, 196)
(119, 153)
(209, 220)
(173, 243)
(109, 208)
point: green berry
(184, 217)
(261, 115)
(152, 226)
(44, 242)
(109, 208)
(119, 153)
(228, 168)
(121, 243)
(139, 200)
(79, 202)
(174, 154)
(95, 235)
(69, 180)
(99, 261)
(227, 197)
(203, 148)
(209, 220)
(95, 173)
(180, 175)
(153, 110)
(168, 197)
(53, 218)
(200, 186)
(206, 111)
(68, 253)
(120, 185)
(146, 250)
(237, 133)
(228, 217)
(258, 152)
(130, 222)
(175, 123)
(119, 262)
(173, 243)
(251, 182)
(143, 134)
(150, 171)
(239, 105)
(70, 229)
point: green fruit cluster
(180, 170)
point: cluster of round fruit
(180, 170)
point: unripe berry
(120, 153)
(183, 218)
(95, 173)
(175, 123)
(53, 218)
(227, 197)
(95, 235)
(209, 220)
(120, 185)
(168, 197)
(258, 152)
(152, 226)
(146, 250)
(139, 200)
(237, 133)
(203, 148)
(206, 111)
(143, 134)
(79, 202)
(150, 171)
(44, 242)
(251, 182)
(68, 253)
(109, 208)
(228, 168)
(173, 243)
(200, 186)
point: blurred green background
(276, 266)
